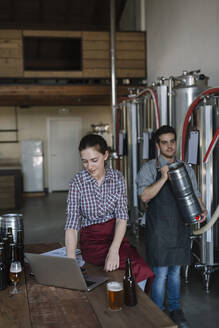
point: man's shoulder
(147, 169)
(149, 164)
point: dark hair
(163, 130)
(93, 140)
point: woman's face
(93, 162)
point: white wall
(182, 35)
(32, 124)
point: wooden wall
(130, 54)
(11, 53)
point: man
(167, 236)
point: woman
(97, 206)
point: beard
(171, 155)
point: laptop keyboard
(89, 283)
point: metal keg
(182, 188)
(14, 221)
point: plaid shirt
(88, 203)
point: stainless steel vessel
(183, 191)
(187, 87)
(14, 221)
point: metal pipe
(134, 151)
(162, 101)
(142, 15)
(170, 98)
(113, 67)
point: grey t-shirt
(148, 174)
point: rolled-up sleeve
(121, 209)
(73, 216)
(146, 177)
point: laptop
(61, 272)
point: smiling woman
(97, 206)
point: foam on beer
(114, 286)
(15, 267)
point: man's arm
(151, 191)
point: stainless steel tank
(14, 221)
(183, 191)
(187, 87)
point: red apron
(95, 241)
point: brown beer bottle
(12, 258)
(20, 247)
(10, 236)
(6, 251)
(130, 296)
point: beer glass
(115, 295)
(15, 276)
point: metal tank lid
(192, 78)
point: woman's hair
(163, 130)
(93, 140)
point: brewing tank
(187, 87)
(182, 188)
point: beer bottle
(12, 258)
(13, 252)
(3, 271)
(10, 236)
(2, 245)
(6, 251)
(130, 296)
(20, 247)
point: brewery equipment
(186, 88)
(181, 185)
(186, 103)
(103, 129)
(14, 221)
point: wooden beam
(47, 95)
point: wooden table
(39, 306)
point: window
(52, 54)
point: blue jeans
(172, 275)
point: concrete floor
(44, 221)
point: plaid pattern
(88, 203)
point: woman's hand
(112, 261)
(112, 258)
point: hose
(211, 146)
(189, 113)
(155, 100)
(210, 149)
(209, 224)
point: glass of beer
(15, 276)
(115, 295)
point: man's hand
(164, 172)
(203, 216)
